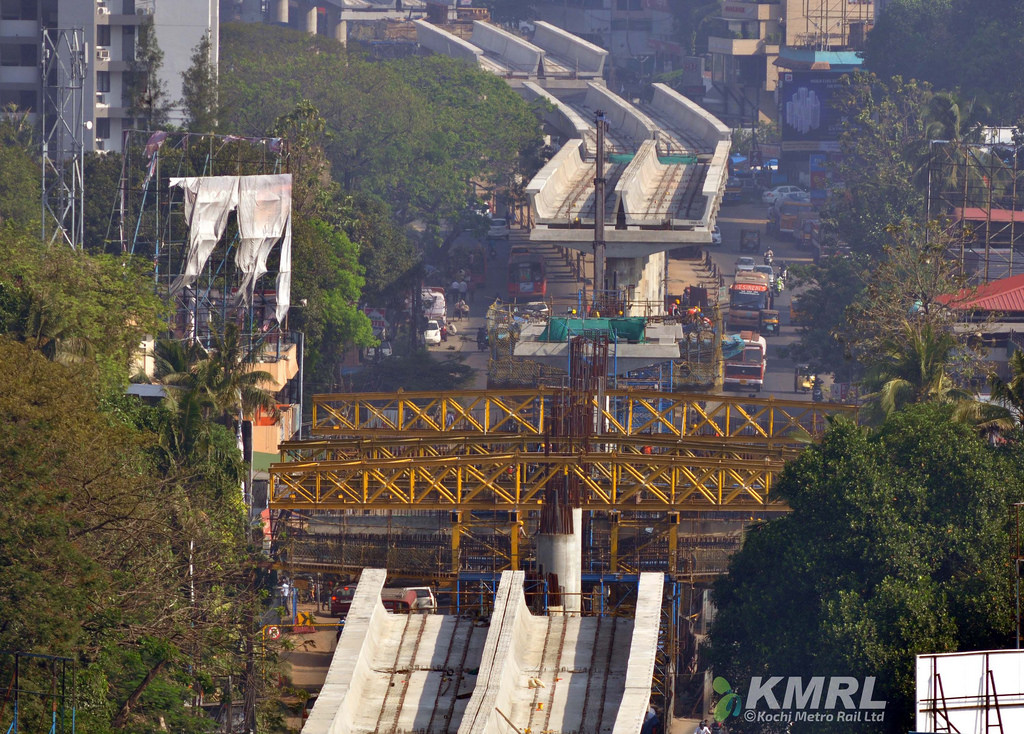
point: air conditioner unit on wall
(101, 99)
(103, 54)
(103, 10)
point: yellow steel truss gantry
(621, 412)
(514, 481)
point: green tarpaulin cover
(629, 329)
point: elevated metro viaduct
(510, 672)
(663, 172)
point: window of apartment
(129, 7)
(629, 5)
(23, 99)
(18, 54)
(102, 35)
(18, 10)
(102, 128)
(102, 81)
(128, 43)
(49, 10)
(631, 24)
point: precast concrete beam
(351, 667)
(515, 53)
(563, 118)
(562, 178)
(636, 697)
(441, 41)
(583, 58)
(623, 117)
(685, 114)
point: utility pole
(599, 184)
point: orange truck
(790, 215)
(749, 295)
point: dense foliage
(966, 46)
(896, 545)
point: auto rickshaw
(770, 322)
(803, 378)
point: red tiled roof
(978, 214)
(1005, 295)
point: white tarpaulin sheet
(208, 201)
(264, 217)
(264, 205)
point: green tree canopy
(74, 306)
(962, 46)
(896, 546)
(199, 89)
(133, 566)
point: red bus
(527, 275)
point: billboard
(963, 692)
(808, 119)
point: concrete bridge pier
(309, 18)
(338, 27)
(281, 11)
(560, 557)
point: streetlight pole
(302, 366)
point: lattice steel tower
(63, 134)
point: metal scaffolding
(147, 220)
(63, 131)
(977, 191)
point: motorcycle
(816, 393)
(481, 339)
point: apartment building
(749, 38)
(110, 29)
(639, 35)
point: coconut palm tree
(1011, 394)
(916, 369)
(203, 385)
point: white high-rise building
(110, 32)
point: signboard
(273, 632)
(378, 319)
(739, 11)
(818, 168)
(963, 691)
(807, 112)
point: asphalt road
(562, 288)
(731, 219)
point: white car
(745, 264)
(771, 195)
(499, 229)
(716, 236)
(767, 270)
(432, 334)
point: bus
(527, 275)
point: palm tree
(203, 385)
(233, 384)
(1011, 394)
(916, 369)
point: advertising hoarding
(808, 117)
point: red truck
(744, 358)
(749, 295)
